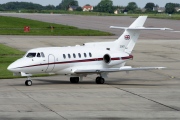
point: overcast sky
(140, 3)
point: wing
(108, 70)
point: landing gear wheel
(74, 79)
(28, 82)
(100, 80)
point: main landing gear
(74, 79)
(100, 80)
(28, 82)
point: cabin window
(69, 55)
(74, 55)
(79, 55)
(85, 55)
(31, 55)
(64, 56)
(38, 55)
(42, 54)
(90, 55)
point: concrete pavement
(138, 95)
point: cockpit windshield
(31, 55)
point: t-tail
(128, 39)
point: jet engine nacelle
(116, 58)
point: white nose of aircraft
(14, 67)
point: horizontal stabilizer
(139, 28)
(125, 68)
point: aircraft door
(51, 61)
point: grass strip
(15, 26)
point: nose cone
(12, 67)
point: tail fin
(139, 22)
(128, 39)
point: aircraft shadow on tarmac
(92, 82)
(45, 82)
(119, 82)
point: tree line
(103, 6)
(23, 5)
(64, 5)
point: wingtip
(160, 68)
(167, 29)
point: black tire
(71, 80)
(28, 82)
(74, 79)
(100, 80)
(97, 80)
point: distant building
(177, 9)
(117, 11)
(72, 8)
(87, 8)
(159, 9)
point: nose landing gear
(28, 82)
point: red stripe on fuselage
(128, 57)
(66, 62)
(115, 58)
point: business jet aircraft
(77, 62)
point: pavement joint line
(39, 103)
(146, 98)
(167, 75)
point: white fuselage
(65, 60)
